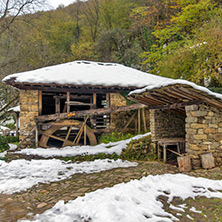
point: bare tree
(10, 10)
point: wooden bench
(165, 142)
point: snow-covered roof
(170, 82)
(87, 73)
(170, 94)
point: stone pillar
(29, 107)
(203, 133)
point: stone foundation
(29, 107)
(203, 133)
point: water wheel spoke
(79, 134)
(67, 136)
(55, 137)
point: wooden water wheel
(68, 133)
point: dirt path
(44, 196)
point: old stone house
(51, 98)
(183, 112)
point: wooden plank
(75, 103)
(40, 102)
(67, 101)
(92, 112)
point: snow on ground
(109, 148)
(19, 175)
(135, 201)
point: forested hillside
(174, 38)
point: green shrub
(3, 144)
(141, 149)
(11, 139)
(114, 137)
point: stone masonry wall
(166, 124)
(115, 118)
(203, 133)
(29, 107)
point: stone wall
(115, 118)
(203, 133)
(166, 124)
(29, 107)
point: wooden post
(158, 151)
(94, 100)
(107, 100)
(40, 102)
(67, 101)
(57, 105)
(164, 153)
(144, 119)
(139, 120)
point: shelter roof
(175, 95)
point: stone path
(44, 196)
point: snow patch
(109, 148)
(135, 201)
(19, 175)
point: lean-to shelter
(72, 103)
(184, 113)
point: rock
(41, 205)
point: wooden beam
(210, 101)
(176, 105)
(92, 112)
(40, 102)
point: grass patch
(91, 157)
(114, 137)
